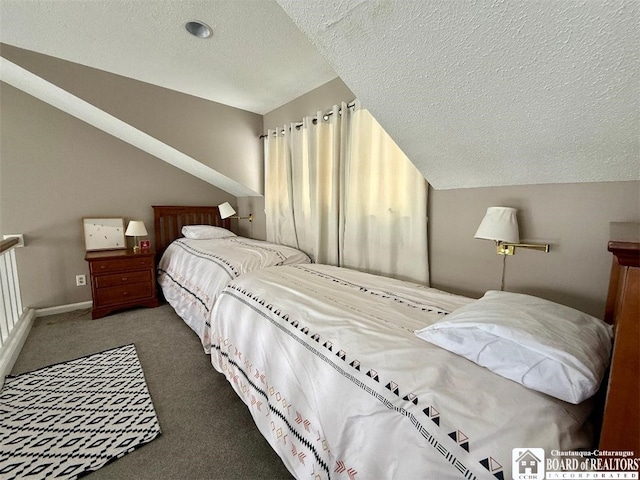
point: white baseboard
(43, 312)
(12, 346)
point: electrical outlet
(81, 280)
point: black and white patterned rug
(72, 418)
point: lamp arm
(544, 247)
(507, 248)
(237, 217)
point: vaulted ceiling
(256, 60)
(486, 93)
(476, 93)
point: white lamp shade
(226, 210)
(136, 228)
(499, 224)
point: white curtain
(385, 206)
(303, 185)
(339, 188)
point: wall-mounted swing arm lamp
(501, 225)
(227, 211)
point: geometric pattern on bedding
(430, 413)
(363, 325)
(219, 261)
(192, 273)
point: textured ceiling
(486, 93)
(256, 59)
(476, 93)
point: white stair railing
(15, 321)
(11, 310)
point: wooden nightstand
(121, 279)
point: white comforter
(192, 273)
(327, 362)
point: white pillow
(542, 345)
(206, 232)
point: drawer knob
(124, 294)
(124, 279)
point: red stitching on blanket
(300, 419)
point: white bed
(329, 365)
(192, 272)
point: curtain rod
(325, 117)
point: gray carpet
(207, 432)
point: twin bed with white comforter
(355, 376)
(193, 271)
(329, 364)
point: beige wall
(221, 137)
(573, 218)
(56, 170)
(258, 227)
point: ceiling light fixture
(198, 29)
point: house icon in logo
(528, 463)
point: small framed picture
(103, 233)
(145, 245)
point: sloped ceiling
(256, 59)
(67, 102)
(487, 93)
(476, 93)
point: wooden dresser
(621, 422)
(121, 279)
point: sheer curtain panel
(385, 206)
(341, 190)
(279, 191)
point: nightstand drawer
(124, 293)
(133, 263)
(125, 278)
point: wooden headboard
(169, 220)
(621, 419)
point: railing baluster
(14, 287)
(6, 300)
(11, 307)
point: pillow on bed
(542, 345)
(206, 232)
